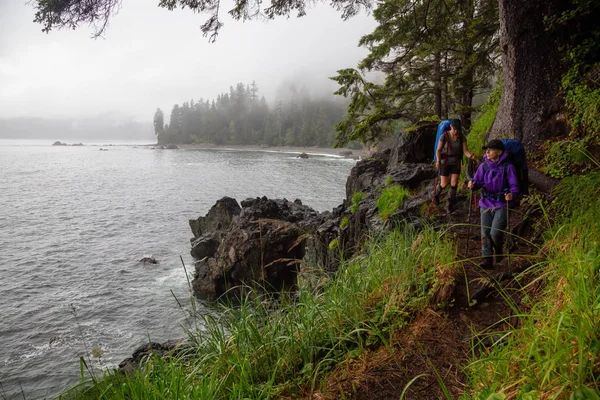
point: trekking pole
(508, 232)
(469, 223)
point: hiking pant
(493, 223)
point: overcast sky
(151, 57)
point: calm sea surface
(74, 221)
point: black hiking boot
(487, 263)
(451, 205)
(436, 199)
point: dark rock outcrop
(264, 245)
(209, 230)
(415, 146)
(367, 174)
(149, 260)
(58, 143)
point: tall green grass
(555, 352)
(266, 348)
(391, 198)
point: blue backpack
(442, 127)
(517, 157)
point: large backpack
(518, 158)
(442, 127)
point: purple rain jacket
(492, 180)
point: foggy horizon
(153, 58)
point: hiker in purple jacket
(499, 183)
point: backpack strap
(446, 145)
(505, 184)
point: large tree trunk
(530, 109)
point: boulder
(367, 174)
(149, 260)
(303, 155)
(218, 218)
(264, 246)
(414, 147)
(206, 245)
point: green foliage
(344, 222)
(483, 123)
(389, 180)
(583, 104)
(425, 49)
(356, 199)
(575, 196)
(259, 349)
(392, 198)
(581, 84)
(566, 157)
(334, 244)
(555, 350)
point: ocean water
(74, 223)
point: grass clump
(344, 222)
(392, 198)
(555, 352)
(356, 199)
(262, 349)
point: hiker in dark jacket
(451, 147)
(499, 183)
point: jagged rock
(367, 173)
(205, 246)
(218, 217)
(415, 146)
(167, 349)
(149, 260)
(265, 245)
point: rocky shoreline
(265, 243)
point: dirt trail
(439, 343)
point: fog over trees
(243, 116)
(436, 56)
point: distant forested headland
(243, 116)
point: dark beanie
(494, 144)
